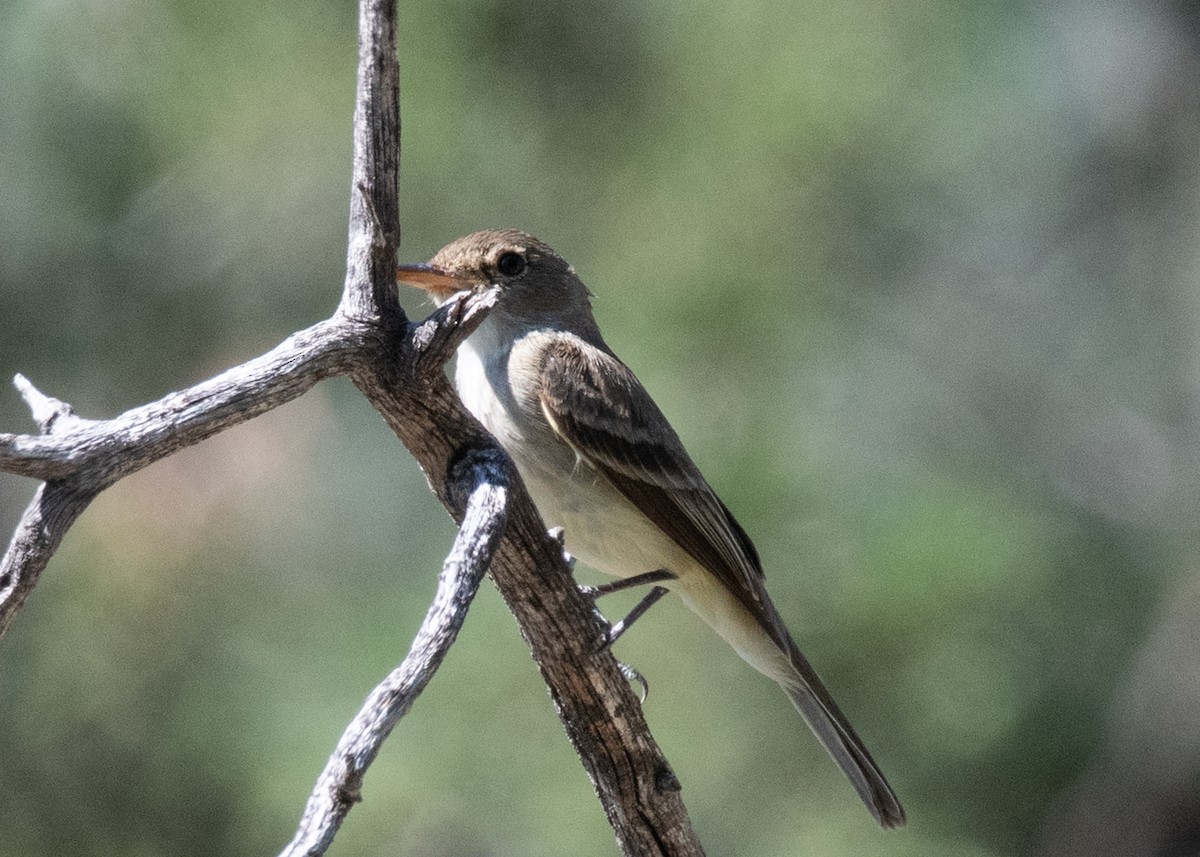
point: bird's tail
(803, 686)
(761, 638)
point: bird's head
(535, 283)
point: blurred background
(915, 281)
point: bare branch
(79, 457)
(370, 289)
(399, 367)
(99, 452)
(46, 410)
(481, 480)
(54, 508)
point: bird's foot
(611, 632)
(631, 676)
(651, 598)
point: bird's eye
(510, 264)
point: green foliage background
(914, 281)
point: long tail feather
(834, 731)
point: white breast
(603, 529)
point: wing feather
(597, 405)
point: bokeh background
(915, 281)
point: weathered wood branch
(78, 458)
(374, 239)
(399, 367)
(96, 453)
(480, 483)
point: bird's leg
(623, 583)
(652, 597)
(612, 632)
(641, 607)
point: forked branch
(399, 367)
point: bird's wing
(598, 406)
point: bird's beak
(429, 278)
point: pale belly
(602, 528)
(607, 532)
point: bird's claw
(631, 676)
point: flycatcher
(601, 461)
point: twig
(54, 508)
(46, 410)
(483, 479)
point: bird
(602, 462)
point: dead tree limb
(483, 480)
(398, 366)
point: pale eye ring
(510, 264)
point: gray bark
(398, 366)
